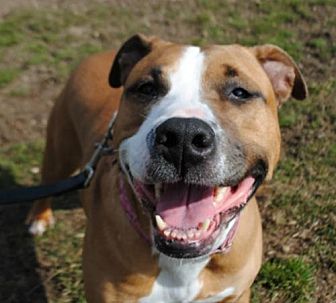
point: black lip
(177, 250)
(259, 172)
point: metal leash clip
(102, 149)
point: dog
(172, 216)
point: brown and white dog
(174, 219)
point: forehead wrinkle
(246, 78)
(229, 70)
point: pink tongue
(184, 206)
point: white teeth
(160, 223)
(190, 234)
(181, 235)
(167, 232)
(205, 225)
(197, 234)
(158, 190)
(220, 193)
(174, 234)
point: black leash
(79, 181)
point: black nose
(185, 142)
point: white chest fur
(178, 280)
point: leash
(79, 181)
(83, 180)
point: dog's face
(198, 132)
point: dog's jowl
(171, 217)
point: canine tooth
(158, 189)
(160, 223)
(220, 192)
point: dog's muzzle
(193, 214)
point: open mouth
(189, 219)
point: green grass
(18, 161)
(56, 38)
(44, 38)
(286, 280)
(66, 260)
(270, 23)
(8, 33)
(7, 75)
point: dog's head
(198, 132)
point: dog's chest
(178, 281)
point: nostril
(201, 141)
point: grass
(44, 37)
(65, 261)
(288, 280)
(56, 38)
(7, 75)
(8, 34)
(19, 161)
(298, 206)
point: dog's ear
(282, 71)
(134, 49)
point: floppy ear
(282, 71)
(134, 49)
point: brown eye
(240, 93)
(147, 89)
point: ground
(41, 43)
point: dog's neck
(178, 280)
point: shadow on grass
(21, 277)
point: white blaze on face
(184, 99)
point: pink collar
(130, 213)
